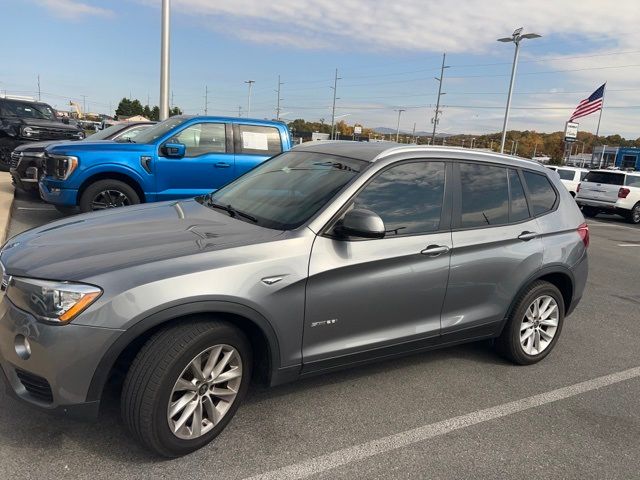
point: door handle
(222, 165)
(526, 236)
(435, 250)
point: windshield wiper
(231, 211)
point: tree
(124, 108)
(175, 111)
(155, 113)
(146, 112)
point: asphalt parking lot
(456, 413)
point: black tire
(129, 195)
(149, 382)
(634, 215)
(589, 211)
(66, 209)
(508, 343)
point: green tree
(175, 111)
(155, 113)
(124, 108)
(146, 112)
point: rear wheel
(534, 326)
(185, 385)
(634, 215)
(107, 193)
(589, 211)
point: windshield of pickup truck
(12, 108)
(159, 130)
(286, 191)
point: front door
(207, 165)
(364, 295)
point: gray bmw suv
(324, 257)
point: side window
(582, 175)
(132, 133)
(542, 195)
(633, 181)
(485, 195)
(259, 140)
(408, 197)
(566, 174)
(519, 210)
(203, 138)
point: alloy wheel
(109, 199)
(204, 392)
(635, 214)
(539, 325)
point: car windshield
(27, 110)
(159, 129)
(286, 191)
(107, 132)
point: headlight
(64, 165)
(54, 302)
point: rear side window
(610, 178)
(582, 175)
(566, 174)
(259, 140)
(633, 181)
(519, 209)
(485, 195)
(543, 196)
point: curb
(6, 204)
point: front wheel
(107, 193)
(534, 326)
(185, 385)
(634, 215)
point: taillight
(623, 192)
(578, 189)
(583, 231)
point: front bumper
(57, 195)
(26, 172)
(56, 375)
(600, 205)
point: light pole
(250, 83)
(333, 109)
(164, 62)
(400, 110)
(472, 140)
(516, 37)
(435, 120)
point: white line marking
(603, 224)
(356, 453)
(629, 244)
(37, 208)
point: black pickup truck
(25, 121)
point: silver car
(327, 256)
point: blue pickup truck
(179, 158)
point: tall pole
(84, 104)
(599, 116)
(435, 118)
(472, 140)
(535, 149)
(333, 109)
(506, 112)
(250, 83)
(206, 99)
(279, 99)
(164, 61)
(398, 127)
(413, 134)
(39, 96)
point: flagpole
(604, 90)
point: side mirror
(174, 150)
(360, 223)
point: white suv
(570, 177)
(610, 191)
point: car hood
(36, 146)
(54, 124)
(87, 245)
(77, 148)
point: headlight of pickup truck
(63, 166)
(53, 302)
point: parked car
(26, 160)
(24, 121)
(610, 191)
(570, 177)
(327, 256)
(179, 158)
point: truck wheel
(534, 326)
(589, 211)
(185, 385)
(634, 215)
(107, 193)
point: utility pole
(413, 134)
(39, 96)
(535, 149)
(172, 104)
(206, 100)
(279, 99)
(333, 110)
(239, 111)
(164, 61)
(435, 119)
(84, 104)
(400, 110)
(250, 83)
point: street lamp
(516, 37)
(250, 83)
(164, 61)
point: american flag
(589, 105)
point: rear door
(496, 246)
(254, 144)
(601, 186)
(207, 165)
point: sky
(387, 54)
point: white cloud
(72, 9)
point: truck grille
(37, 387)
(15, 160)
(55, 134)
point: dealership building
(625, 158)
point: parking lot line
(393, 442)
(47, 207)
(629, 244)
(596, 223)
